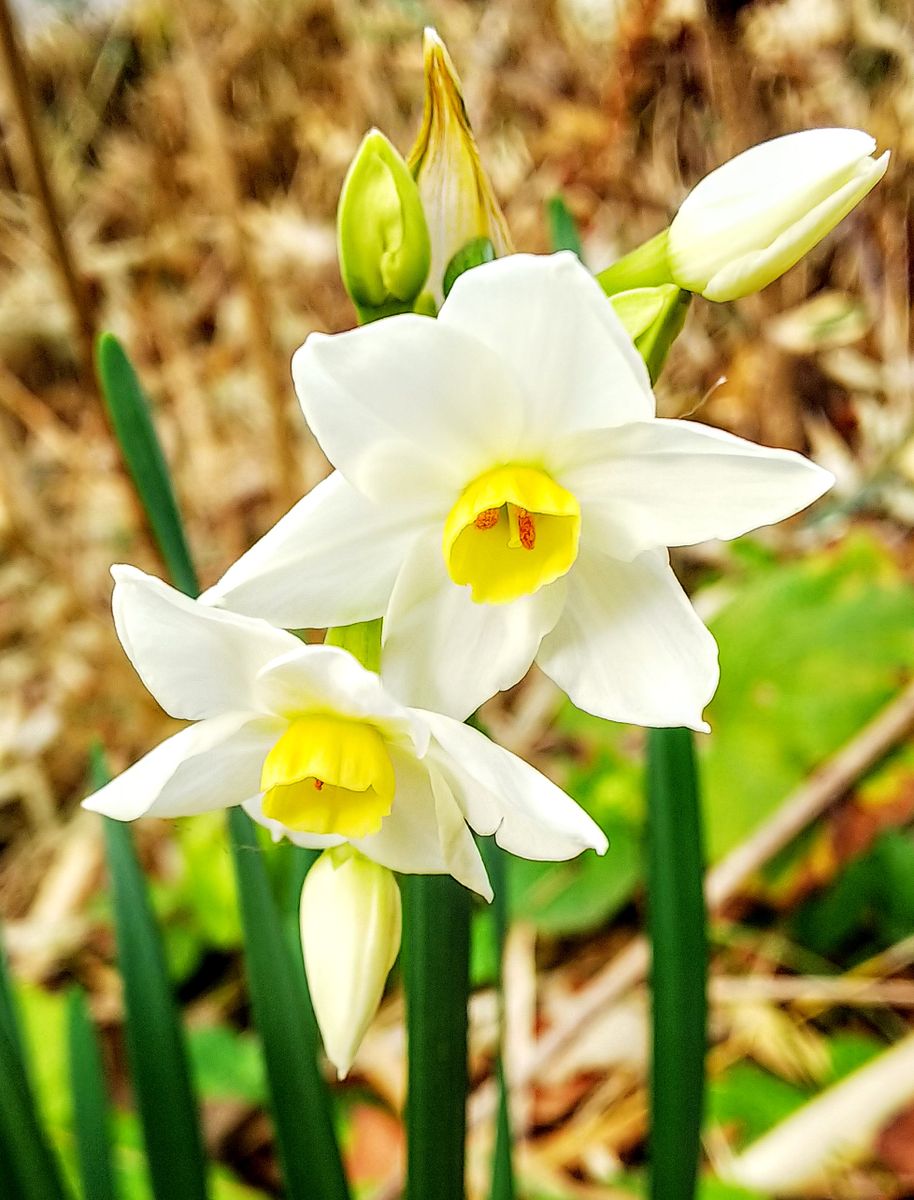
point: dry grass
(196, 162)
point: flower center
(329, 774)
(512, 531)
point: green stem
(436, 953)
(676, 920)
(655, 343)
(645, 266)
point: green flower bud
(382, 235)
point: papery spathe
(754, 217)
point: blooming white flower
(350, 934)
(315, 749)
(755, 216)
(504, 492)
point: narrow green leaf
(155, 1043)
(497, 865)
(90, 1102)
(476, 252)
(676, 922)
(435, 957)
(128, 410)
(28, 1168)
(563, 229)
(284, 1017)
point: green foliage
(90, 1102)
(870, 905)
(476, 252)
(563, 229)
(283, 1014)
(155, 1043)
(128, 411)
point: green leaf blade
(128, 410)
(90, 1103)
(155, 1043)
(284, 1018)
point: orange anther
(526, 530)
(487, 518)
(318, 784)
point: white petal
(548, 318)
(500, 793)
(197, 661)
(331, 560)
(408, 409)
(677, 483)
(213, 764)
(329, 679)
(425, 833)
(444, 652)
(629, 646)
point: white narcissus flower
(505, 493)
(753, 218)
(350, 935)
(315, 749)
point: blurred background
(192, 158)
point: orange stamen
(487, 518)
(526, 530)
(318, 784)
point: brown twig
(36, 173)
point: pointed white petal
(500, 793)
(550, 321)
(444, 652)
(677, 483)
(629, 646)
(408, 409)
(197, 661)
(329, 679)
(331, 560)
(425, 833)
(213, 764)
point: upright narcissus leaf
(91, 1120)
(128, 410)
(28, 1168)
(563, 229)
(155, 1041)
(382, 235)
(457, 196)
(284, 1018)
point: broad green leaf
(128, 411)
(155, 1043)
(90, 1103)
(284, 1018)
(227, 1064)
(810, 651)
